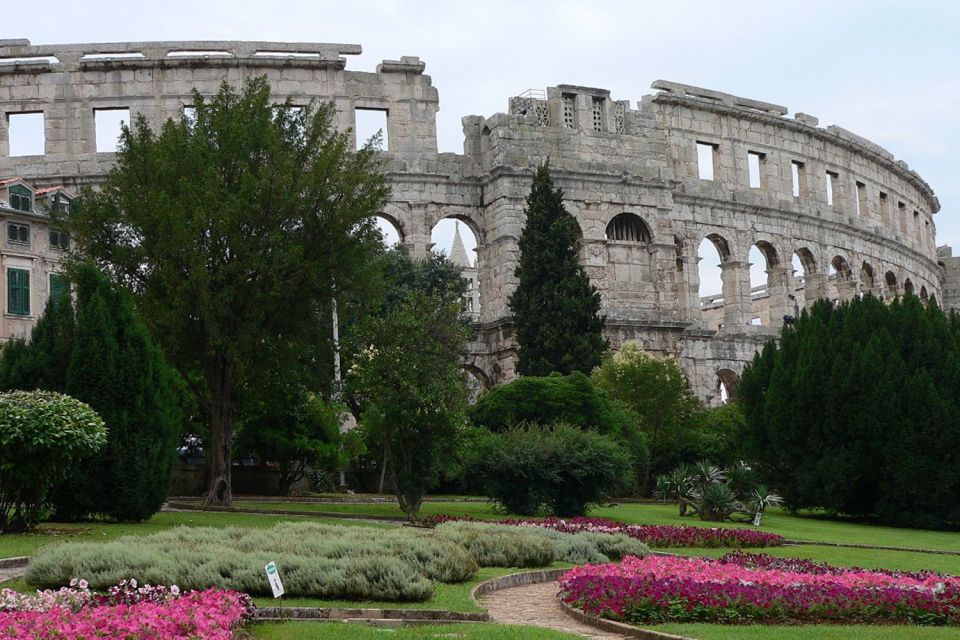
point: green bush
(41, 434)
(562, 468)
(504, 546)
(500, 545)
(315, 561)
(104, 356)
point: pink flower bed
(740, 588)
(658, 536)
(126, 612)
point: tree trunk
(383, 473)
(220, 383)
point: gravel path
(536, 604)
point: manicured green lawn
(446, 597)
(811, 632)
(341, 631)
(844, 557)
(803, 527)
(25, 544)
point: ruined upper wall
(69, 82)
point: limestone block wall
(681, 165)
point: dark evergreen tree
(555, 308)
(856, 411)
(104, 356)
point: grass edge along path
(341, 631)
(808, 632)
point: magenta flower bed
(659, 536)
(741, 589)
(127, 612)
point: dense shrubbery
(103, 355)
(676, 426)
(356, 563)
(857, 411)
(562, 468)
(42, 434)
(507, 545)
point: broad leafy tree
(856, 411)
(555, 308)
(232, 228)
(656, 390)
(407, 374)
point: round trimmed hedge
(41, 434)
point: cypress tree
(555, 308)
(103, 355)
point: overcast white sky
(885, 70)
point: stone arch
(628, 227)
(727, 385)
(924, 297)
(456, 237)
(477, 381)
(868, 278)
(890, 280)
(908, 289)
(732, 305)
(390, 229)
(843, 285)
(808, 285)
(768, 285)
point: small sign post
(756, 519)
(273, 576)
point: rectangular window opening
(18, 233)
(832, 178)
(108, 124)
(18, 292)
(59, 240)
(370, 122)
(861, 199)
(798, 177)
(755, 162)
(756, 322)
(884, 208)
(706, 160)
(59, 289)
(598, 114)
(25, 134)
(902, 216)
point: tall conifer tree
(555, 308)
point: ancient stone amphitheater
(833, 215)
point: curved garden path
(537, 605)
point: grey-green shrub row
(496, 545)
(321, 561)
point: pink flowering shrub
(127, 611)
(741, 589)
(659, 536)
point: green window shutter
(59, 288)
(18, 292)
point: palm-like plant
(714, 493)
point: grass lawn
(808, 527)
(25, 544)
(446, 597)
(809, 632)
(341, 631)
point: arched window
(727, 383)
(628, 227)
(908, 287)
(891, 280)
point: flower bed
(741, 589)
(127, 611)
(658, 536)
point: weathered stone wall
(875, 234)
